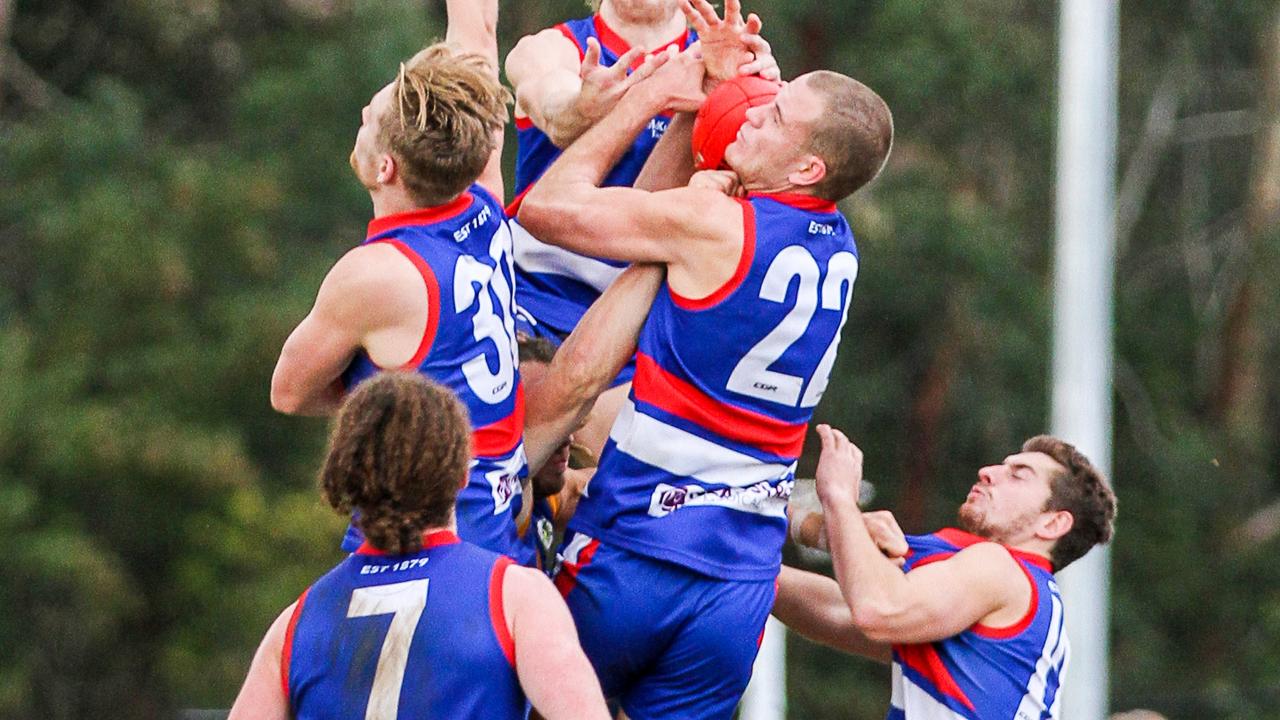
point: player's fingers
(692, 17)
(708, 13)
(591, 58)
(754, 24)
(824, 434)
(733, 12)
(625, 61)
(646, 69)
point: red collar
(614, 43)
(419, 216)
(963, 539)
(798, 201)
(430, 539)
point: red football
(723, 113)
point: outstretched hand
(731, 46)
(602, 86)
(839, 473)
(674, 78)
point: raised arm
(554, 672)
(588, 361)
(567, 208)
(812, 605)
(473, 27)
(262, 695)
(562, 93)
(935, 601)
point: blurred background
(174, 185)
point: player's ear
(387, 169)
(809, 171)
(1055, 524)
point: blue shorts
(528, 325)
(666, 642)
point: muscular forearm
(589, 360)
(671, 162)
(560, 115)
(586, 162)
(473, 26)
(872, 585)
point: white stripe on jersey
(535, 256)
(915, 702)
(1052, 655)
(683, 454)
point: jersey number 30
(752, 376)
(477, 283)
(406, 601)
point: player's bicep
(949, 596)
(622, 223)
(543, 70)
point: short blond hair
(853, 136)
(446, 110)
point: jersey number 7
(406, 601)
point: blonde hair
(442, 125)
(854, 135)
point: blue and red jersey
(417, 635)
(463, 251)
(701, 460)
(557, 286)
(984, 673)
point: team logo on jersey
(761, 498)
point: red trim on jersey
(798, 201)
(514, 206)
(924, 659)
(421, 216)
(1017, 628)
(433, 303)
(501, 437)
(524, 123)
(963, 539)
(564, 30)
(615, 43)
(567, 579)
(286, 652)
(739, 273)
(498, 611)
(657, 387)
(430, 539)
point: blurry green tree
(175, 185)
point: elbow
(874, 622)
(285, 399)
(286, 403)
(538, 213)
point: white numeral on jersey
(406, 600)
(837, 291)
(472, 282)
(752, 375)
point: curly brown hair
(399, 453)
(444, 121)
(1080, 490)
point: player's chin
(731, 154)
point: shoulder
(988, 562)
(549, 47)
(373, 272)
